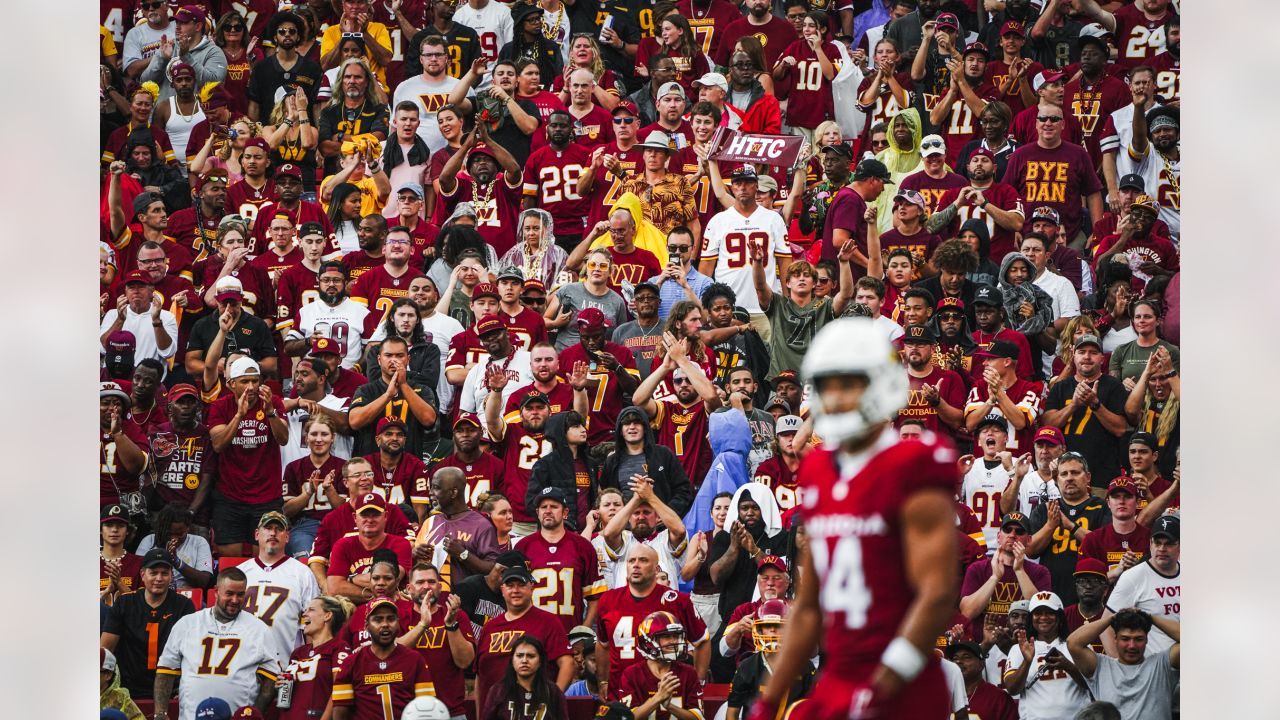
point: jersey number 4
(844, 587)
(265, 601)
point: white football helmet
(425, 708)
(855, 346)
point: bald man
(592, 124)
(618, 235)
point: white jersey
(1162, 180)
(980, 490)
(669, 560)
(729, 237)
(1143, 587)
(475, 389)
(429, 96)
(224, 660)
(296, 447)
(277, 596)
(1047, 693)
(1035, 490)
(492, 24)
(441, 329)
(342, 323)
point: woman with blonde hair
(1063, 364)
(314, 662)
(584, 53)
(223, 152)
(293, 139)
(1153, 406)
(537, 255)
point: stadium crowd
(449, 370)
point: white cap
(1045, 599)
(671, 88)
(229, 282)
(713, 79)
(242, 367)
(108, 660)
(787, 423)
(932, 145)
(1018, 606)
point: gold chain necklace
(555, 25)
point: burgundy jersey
(521, 449)
(1168, 77)
(303, 470)
(1059, 178)
(921, 246)
(247, 201)
(341, 522)
(685, 161)
(1153, 248)
(991, 702)
(378, 689)
(118, 143)
(855, 533)
(423, 236)
(688, 68)
(620, 613)
(305, 212)
(313, 668)
(182, 228)
(960, 124)
(594, 128)
(1137, 37)
(932, 189)
(130, 240)
(465, 349)
(708, 21)
(1076, 620)
(417, 13)
(407, 482)
(350, 557)
(433, 646)
(781, 480)
(179, 459)
(359, 262)
(248, 468)
(118, 16)
(566, 574)
(274, 264)
(634, 267)
(809, 100)
(607, 80)
(355, 633)
(607, 187)
(684, 428)
(1092, 105)
(484, 474)
(527, 328)
(998, 73)
(638, 684)
(113, 479)
(496, 215)
(1109, 225)
(1027, 397)
(298, 286)
(548, 102)
(604, 393)
(561, 397)
(774, 36)
(377, 289)
(883, 109)
(1109, 546)
(551, 179)
(681, 137)
(259, 294)
(130, 573)
(1004, 197)
(498, 638)
(952, 390)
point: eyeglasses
(678, 248)
(286, 31)
(357, 475)
(623, 120)
(930, 144)
(151, 261)
(433, 54)
(397, 241)
(408, 198)
(1049, 118)
(598, 265)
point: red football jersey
(781, 480)
(998, 73)
(496, 215)
(952, 391)
(1004, 197)
(182, 228)
(607, 188)
(350, 557)
(960, 125)
(932, 189)
(379, 689)
(884, 107)
(341, 522)
(355, 633)
(603, 390)
(774, 37)
(561, 397)
(1109, 546)
(688, 68)
(809, 99)
(274, 264)
(377, 289)
(855, 533)
(245, 200)
(638, 684)
(634, 267)
(359, 262)
(130, 240)
(921, 245)
(259, 294)
(408, 481)
(1168, 78)
(527, 328)
(566, 574)
(498, 638)
(707, 21)
(549, 102)
(1092, 105)
(1027, 396)
(433, 646)
(118, 16)
(685, 430)
(685, 162)
(594, 128)
(417, 13)
(465, 349)
(300, 471)
(298, 286)
(248, 469)
(551, 178)
(1137, 37)
(313, 669)
(521, 449)
(305, 212)
(620, 614)
(483, 474)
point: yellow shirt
(376, 32)
(108, 42)
(368, 195)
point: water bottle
(284, 692)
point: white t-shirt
(219, 660)
(1141, 586)
(892, 330)
(193, 551)
(1035, 490)
(1053, 694)
(297, 446)
(669, 560)
(955, 685)
(1066, 304)
(475, 390)
(429, 96)
(980, 490)
(727, 236)
(277, 596)
(144, 333)
(342, 323)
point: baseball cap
(1011, 27)
(552, 492)
(1141, 437)
(387, 422)
(776, 562)
(713, 79)
(614, 711)
(372, 501)
(534, 284)
(517, 572)
(628, 106)
(993, 419)
(966, 645)
(1122, 483)
(189, 13)
(1051, 435)
(1090, 566)
(467, 418)
(740, 314)
(156, 556)
(872, 168)
(1095, 34)
(998, 349)
(908, 195)
(489, 324)
(931, 145)
(248, 711)
(671, 88)
(790, 376)
(988, 295)
(1019, 606)
(535, 397)
(310, 228)
(920, 334)
(379, 602)
(981, 151)
(950, 303)
(114, 513)
(1167, 526)
(228, 288)
(1046, 78)
(839, 149)
(946, 20)
(412, 187)
(109, 389)
(787, 424)
(766, 183)
(182, 390)
(1015, 518)
(121, 341)
(646, 286)
(1132, 181)
(580, 633)
(143, 200)
(1142, 202)
(106, 660)
(1044, 212)
(511, 272)
(1089, 340)
(592, 319)
(243, 367)
(213, 709)
(137, 276)
(511, 558)
(973, 47)
(777, 401)
(1044, 598)
(324, 345)
(289, 170)
(478, 150)
(273, 516)
(745, 172)
(485, 289)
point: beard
(333, 298)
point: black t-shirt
(546, 54)
(752, 676)
(419, 437)
(461, 43)
(480, 603)
(268, 76)
(1084, 431)
(730, 354)
(509, 136)
(143, 631)
(737, 588)
(586, 16)
(250, 335)
(338, 119)
(1062, 552)
(1059, 47)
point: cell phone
(1053, 652)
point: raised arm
(1079, 642)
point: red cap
(946, 20)
(289, 169)
(1122, 483)
(189, 13)
(982, 152)
(137, 276)
(773, 561)
(628, 106)
(322, 345)
(467, 417)
(592, 319)
(182, 390)
(247, 711)
(534, 284)
(387, 422)
(213, 175)
(785, 376)
(480, 149)
(949, 303)
(259, 143)
(379, 602)
(371, 501)
(1091, 566)
(1012, 27)
(1051, 435)
(485, 289)
(488, 324)
(122, 341)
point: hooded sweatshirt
(118, 697)
(206, 58)
(901, 161)
(741, 582)
(648, 236)
(670, 483)
(1028, 292)
(986, 273)
(730, 443)
(558, 469)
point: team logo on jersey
(191, 481)
(764, 39)
(1087, 107)
(260, 415)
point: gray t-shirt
(575, 297)
(142, 41)
(629, 465)
(642, 342)
(1139, 692)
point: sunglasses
(286, 31)
(930, 144)
(678, 248)
(1049, 118)
(597, 266)
(233, 28)
(880, 143)
(352, 36)
(1016, 530)
(681, 381)
(623, 120)
(950, 316)
(822, 281)
(532, 300)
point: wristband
(451, 628)
(903, 658)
